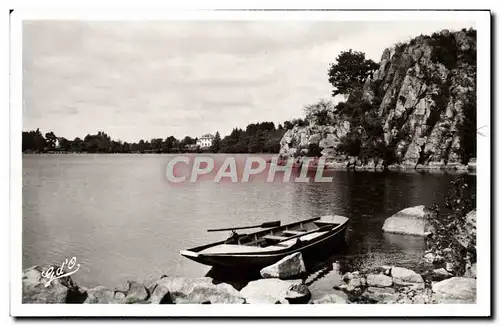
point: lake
(122, 220)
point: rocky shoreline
(353, 163)
(284, 281)
(387, 284)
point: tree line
(263, 137)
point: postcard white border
(102, 12)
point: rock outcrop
(424, 96)
(411, 221)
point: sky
(142, 80)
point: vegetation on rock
(416, 107)
(454, 237)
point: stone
(442, 272)
(119, 296)
(381, 295)
(470, 271)
(404, 276)
(101, 295)
(413, 286)
(456, 288)
(337, 297)
(136, 292)
(193, 290)
(268, 290)
(433, 258)
(298, 293)
(350, 288)
(340, 287)
(472, 164)
(357, 282)
(290, 267)
(411, 221)
(449, 267)
(62, 290)
(378, 280)
(423, 297)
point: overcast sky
(148, 80)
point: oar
(263, 225)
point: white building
(205, 140)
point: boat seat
(324, 223)
(274, 237)
(293, 232)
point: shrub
(320, 112)
(459, 202)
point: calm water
(121, 219)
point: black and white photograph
(337, 161)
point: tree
(77, 145)
(170, 144)
(319, 112)
(156, 145)
(348, 75)
(186, 142)
(33, 141)
(216, 143)
(51, 140)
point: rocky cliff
(422, 99)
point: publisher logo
(53, 273)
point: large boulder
(412, 221)
(268, 290)
(193, 290)
(290, 267)
(455, 290)
(37, 289)
(404, 276)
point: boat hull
(321, 246)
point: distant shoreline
(332, 166)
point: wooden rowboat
(265, 247)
